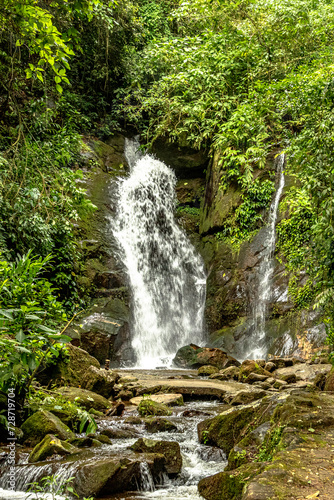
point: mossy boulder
(207, 370)
(154, 425)
(216, 431)
(148, 407)
(329, 384)
(169, 449)
(50, 445)
(41, 423)
(250, 366)
(71, 369)
(230, 373)
(228, 485)
(87, 399)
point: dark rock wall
(203, 209)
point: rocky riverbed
(256, 430)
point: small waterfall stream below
(166, 275)
(199, 460)
(257, 347)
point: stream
(199, 460)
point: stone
(166, 399)
(41, 423)
(133, 420)
(154, 425)
(50, 445)
(249, 366)
(279, 383)
(107, 476)
(246, 397)
(230, 373)
(216, 431)
(270, 366)
(71, 370)
(193, 356)
(264, 385)
(329, 383)
(87, 399)
(207, 370)
(255, 377)
(116, 433)
(290, 378)
(320, 381)
(84, 442)
(125, 395)
(169, 449)
(100, 381)
(303, 371)
(195, 413)
(149, 407)
(230, 484)
(282, 362)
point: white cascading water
(166, 275)
(258, 348)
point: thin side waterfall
(166, 275)
(258, 348)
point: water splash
(166, 275)
(258, 347)
(146, 482)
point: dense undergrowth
(240, 79)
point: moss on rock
(42, 423)
(148, 407)
(49, 446)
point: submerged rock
(169, 449)
(49, 446)
(41, 423)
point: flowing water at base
(199, 460)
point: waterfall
(166, 275)
(258, 348)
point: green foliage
(55, 487)
(242, 224)
(187, 210)
(271, 444)
(29, 314)
(79, 419)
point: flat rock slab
(303, 371)
(195, 388)
(166, 399)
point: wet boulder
(87, 399)
(41, 423)
(107, 476)
(193, 356)
(230, 373)
(169, 449)
(154, 425)
(118, 433)
(50, 445)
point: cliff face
(205, 211)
